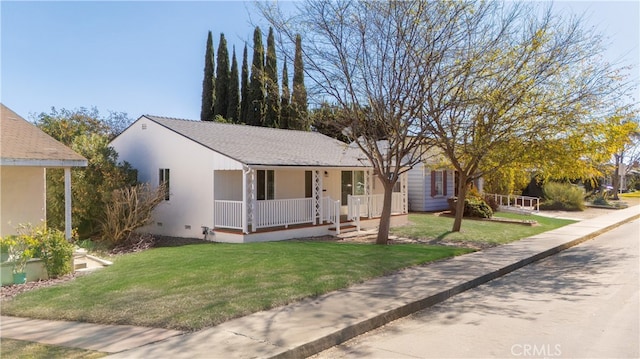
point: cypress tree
(244, 88)
(233, 112)
(255, 116)
(208, 83)
(272, 102)
(299, 95)
(285, 108)
(222, 80)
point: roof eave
(25, 162)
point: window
(266, 184)
(438, 183)
(308, 184)
(163, 181)
(352, 184)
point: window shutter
(444, 183)
(433, 183)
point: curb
(352, 331)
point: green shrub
(600, 199)
(474, 207)
(54, 250)
(563, 196)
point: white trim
(42, 163)
(67, 202)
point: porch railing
(520, 202)
(228, 214)
(371, 205)
(284, 212)
(331, 212)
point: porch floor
(344, 223)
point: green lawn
(635, 194)
(201, 285)
(430, 226)
(196, 286)
(18, 349)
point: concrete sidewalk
(309, 326)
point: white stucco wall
(191, 168)
(23, 197)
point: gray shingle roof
(253, 145)
(22, 143)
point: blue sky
(147, 57)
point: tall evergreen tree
(285, 100)
(298, 118)
(272, 102)
(208, 83)
(244, 88)
(233, 112)
(255, 117)
(222, 80)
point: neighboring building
(244, 184)
(431, 183)
(25, 154)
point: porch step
(80, 265)
(345, 228)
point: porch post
(317, 196)
(368, 182)
(245, 208)
(253, 198)
(404, 184)
(67, 203)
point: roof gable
(23, 144)
(254, 145)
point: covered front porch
(296, 202)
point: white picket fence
(517, 203)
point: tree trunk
(385, 218)
(616, 178)
(462, 194)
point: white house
(244, 184)
(25, 154)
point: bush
(474, 207)
(129, 209)
(55, 251)
(491, 202)
(563, 196)
(600, 199)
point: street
(581, 303)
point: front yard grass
(201, 285)
(429, 226)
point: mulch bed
(9, 291)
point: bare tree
(522, 85)
(361, 56)
(129, 209)
(489, 83)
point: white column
(245, 207)
(253, 199)
(67, 202)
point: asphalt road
(581, 303)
